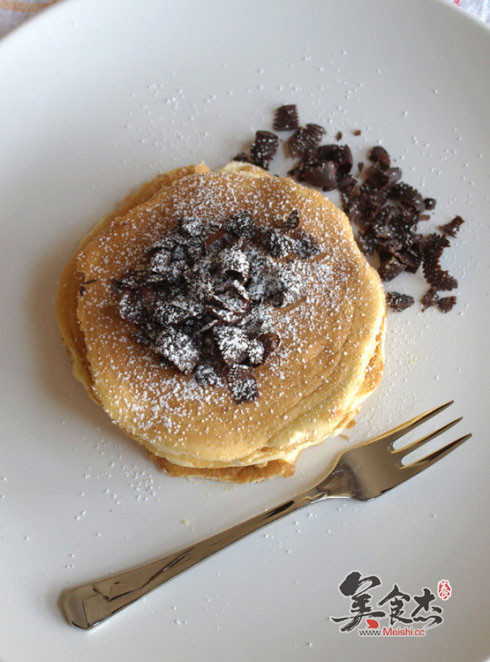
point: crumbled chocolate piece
(234, 263)
(292, 221)
(391, 268)
(232, 343)
(382, 177)
(286, 118)
(339, 154)
(256, 353)
(206, 374)
(264, 148)
(338, 135)
(432, 249)
(379, 155)
(407, 195)
(305, 245)
(270, 341)
(357, 132)
(323, 175)
(424, 217)
(305, 139)
(241, 225)
(360, 167)
(242, 384)
(277, 243)
(398, 302)
(432, 298)
(451, 229)
(201, 300)
(446, 304)
(430, 203)
(178, 348)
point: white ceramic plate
(96, 98)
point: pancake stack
(330, 356)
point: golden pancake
(329, 360)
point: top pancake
(307, 386)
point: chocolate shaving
(451, 229)
(286, 118)
(379, 155)
(398, 302)
(432, 298)
(357, 132)
(305, 139)
(242, 384)
(264, 148)
(432, 249)
(200, 300)
(338, 135)
(323, 175)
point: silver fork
(363, 473)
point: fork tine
(394, 434)
(420, 442)
(423, 463)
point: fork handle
(92, 603)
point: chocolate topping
(264, 148)
(286, 118)
(384, 210)
(201, 299)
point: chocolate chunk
(357, 132)
(178, 348)
(407, 195)
(323, 175)
(432, 249)
(283, 287)
(264, 148)
(232, 342)
(270, 341)
(338, 135)
(160, 261)
(206, 374)
(305, 139)
(234, 263)
(430, 203)
(256, 353)
(286, 118)
(390, 269)
(191, 226)
(430, 298)
(292, 221)
(305, 245)
(242, 384)
(398, 302)
(382, 177)
(277, 244)
(130, 307)
(451, 229)
(339, 154)
(241, 225)
(379, 155)
(446, 304)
